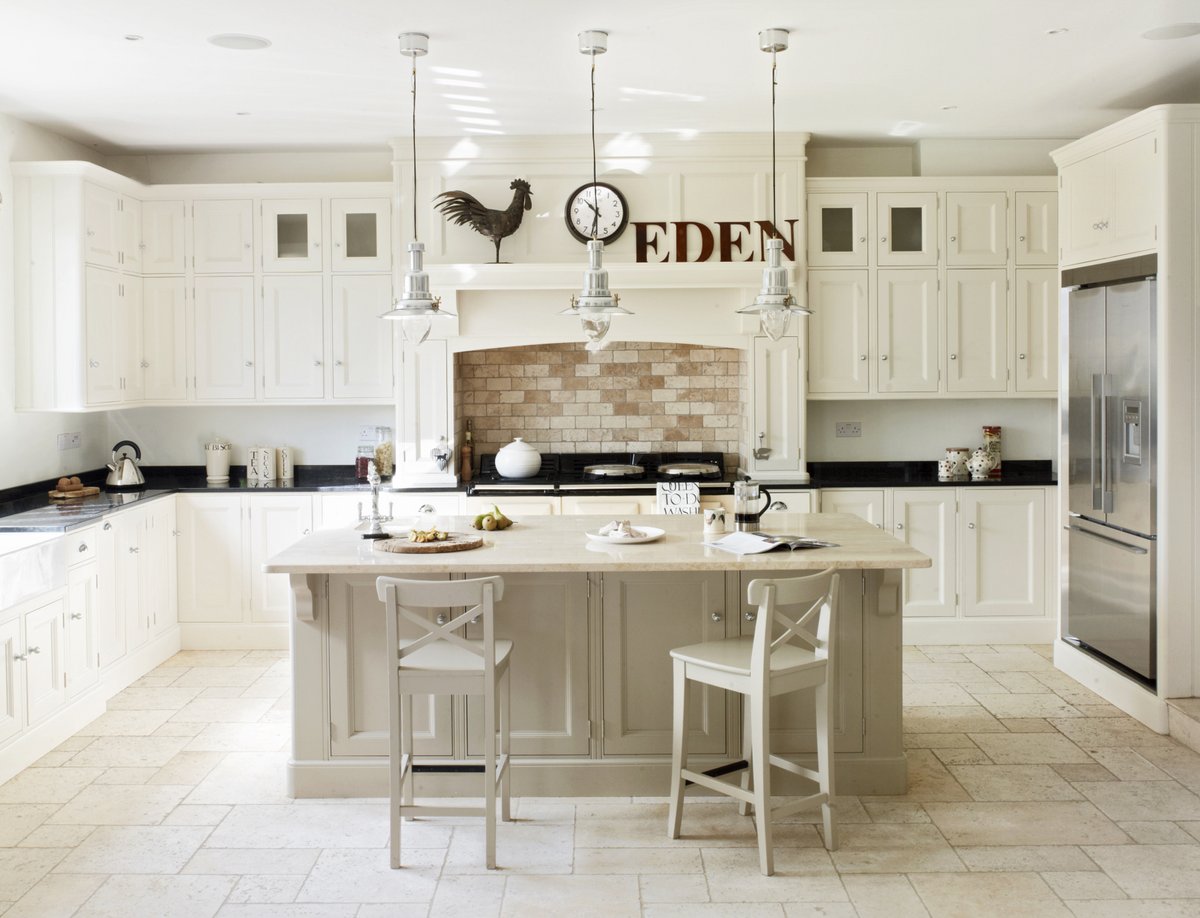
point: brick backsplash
(629, 397)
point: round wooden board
(455, 541)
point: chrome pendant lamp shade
(416, 307)
(595, 305)
(775, 305)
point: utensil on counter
(123, 471)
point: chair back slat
(815, 594)
(404, 597)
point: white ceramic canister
(216, 460)
(286, 469)
(958, 457)
(260, 463)
(518, 460)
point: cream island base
(592, 625)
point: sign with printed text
(678, 497)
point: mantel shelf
(622, 275)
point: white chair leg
(759, 710)
(489, 775)
(506, 744)
(824, 699)
(395, 760)
(747, 754)
(679, 743)
(406, 747)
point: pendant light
(774, 304)
(596, 304)
(416, 307)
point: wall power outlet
(69, 440)
(366, 434)
(847, 429)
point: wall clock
(598, 205)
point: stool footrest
(780, 762)
(721, 787)
(411, 811)
(726, 769)
(464, 769)
(794, 806)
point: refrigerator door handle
(1106, 479)
(1095, 449)
(1132, 549)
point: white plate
(651, 533)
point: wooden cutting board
(67, 495)
(455, 541)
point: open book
(752, 543)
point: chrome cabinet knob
(35, 650)
(82, 547)
(954, 356)
(133, 550)
(441, 619)
(426, 508)
(337, 363)
(883, 238)
(1020, 239)
(145, 364)
(954, 239)
(862, 238)
(76, 616)
(245, 245)
(970, 525)
(316, 245)
(899, 526)
(249, 363)
(883, 356)
(316, 363)
(862, 356)
(306, 532)
(716, 616)
(93, 363)
(107, 526)
(750, 615)
(21, 657)
(1020, 356)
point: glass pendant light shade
(775, 304)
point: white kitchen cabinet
(977, 330)
(358, 678)
(791, 501)
(927, 519)
(865, 503)
(164, 339)
(164, 237)
(110, 619)
(907, 331)
(1036, 333)
(1110, 202)
(1003, 552)
(101, 226)
(223, 237)
(907, 228)
(608, 505)
(546, 618)
(515, 506)
(362, 234)
(212, 549)
(839, 332)
(276, 521)
(793, 715)
(362, 344)
(293, 336)
(12, 680)
(82, 638)
(837, 229)
(776, 409)
(105, 330)
(129, 223)
(45, 657)
(645, 615)
(223, 337)
(976, 228)
(1036, 228)
(145, 582)
(291, 235)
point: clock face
(596, 211)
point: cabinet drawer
(80, 546)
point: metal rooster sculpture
(460, 207)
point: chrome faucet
(375, 530)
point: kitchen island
(591, 625)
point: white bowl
(518, 460)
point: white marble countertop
(559, 543)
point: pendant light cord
(595, 190)
(414, 146)
(774, 216)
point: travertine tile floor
(1029, 796)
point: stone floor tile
(704, 910)
(128, 752)
(163, 676)
(207, 658)
(1128, 764)
(1108, 731)
(57, 837)
(152, 698)
(1027, 725)
(674, 887)
(1151, 871)
(227, 676)
(819, 910)
(1044, 705)
(187, 768)
(1010, 660)
(988, 895)
(17, 820)
(801, 875)
(1135, 908)
(881, 896)
(155, 897)
(23, 868)
(1013, 782)
(1084, 772)
(126, 775)
(265, 888)
(519, 849)
(126, 723)
(894, 811)
(255, 737)
(907, 860)
(928, 780)
(47, 785)
(365, 875)
(1082, 884)
(222, 710)
(1021, 682)
(1096, 710)
(668, 861)
(914, 740)
(468, 897)
(1030, 749)
(1158, 832)
(135, 849)
(704, 826)
(273, 687)
(324, 910)
(171, 728)
(788, 861)
(944, 672)
(972, 756)
(1192, 828)
(938, 694)
(527, 810)
(988, 687)
(228, 861)
(119, 805)
(243, 777)
(889, 835)
(56, 896)
(579, 897)
(1043, 823)
(334, 826)
(1179, 762)
(934, 656)
(1142, 800)
(969, 719)
(1019, 858)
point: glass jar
(385, 452)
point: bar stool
(441, 662)
(761, 667)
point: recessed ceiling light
(241, 113)
(133, 38)
(237, 42)
(949, 108)
(1057, 31)
(1175, 30)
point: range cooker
(582, 473)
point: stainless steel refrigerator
(1110, 408)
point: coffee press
(746, 509)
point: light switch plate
(69, 440)
(847, 429)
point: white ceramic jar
(518, 460)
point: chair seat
(444, 657)
(733, 656)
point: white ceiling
(861, 70)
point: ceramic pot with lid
(518, 460)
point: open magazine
(753, 543)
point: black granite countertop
(1014, 473)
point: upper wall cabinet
(1036, 228)
(112, 236)
(837, 230)
(362, 234)
(976, 228)
(223, 237)
(291, 235)
(163, 237)
(907, 228)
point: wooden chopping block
(454, 541)
(86, 491)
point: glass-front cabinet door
(362, 234)
(837, 230)
(291, 233)
(907, 228)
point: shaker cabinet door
(164, 339)
(837, 230)
(362, 344)
(976, 228)
(163, 237)
(1003, 535)
(223, 237)
(1036, 333)
(908, 331)
(927, 520)
(223, 337)
(293, 326)
(976, 330)
(838, 336)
